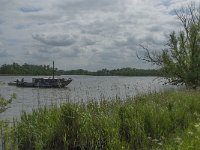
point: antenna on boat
(53, 69)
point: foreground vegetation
(4, 102)
(169, 120)
(3, 106)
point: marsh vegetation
(168, 120)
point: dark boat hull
(60, 83)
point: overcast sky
(87, 34)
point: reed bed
(165, 120)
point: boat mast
(53, 69)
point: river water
(81, 89)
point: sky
(85, 34)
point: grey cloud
(88, 40)
(113, 55)
(154, 40)
(86, 5)
(4, 53)
(30, 9)
(43, 17)
(48, 52)
(1, 44)
(46, 49)
(36, 56)
(55, 40)
(131, 42)
(108, 55)
(156, 28)
(113, 58)
(84, 33)
(73, 51)
(1, 21)
(22, 26)
(102, 27)
(167, 2)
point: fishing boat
(43, 83)
(50, 82)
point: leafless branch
(153, 57)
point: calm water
(82, 88)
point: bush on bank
(167, 120)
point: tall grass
(152, 121)
(4, 125)
(4, 102)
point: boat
(44, 83)
(50, 82)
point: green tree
(180, 61)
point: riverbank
(169, 120)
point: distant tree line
(29, 69)
(25, 69)
(114, 72)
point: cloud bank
(84, 34)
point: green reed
(151, 121)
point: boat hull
(43, 83)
